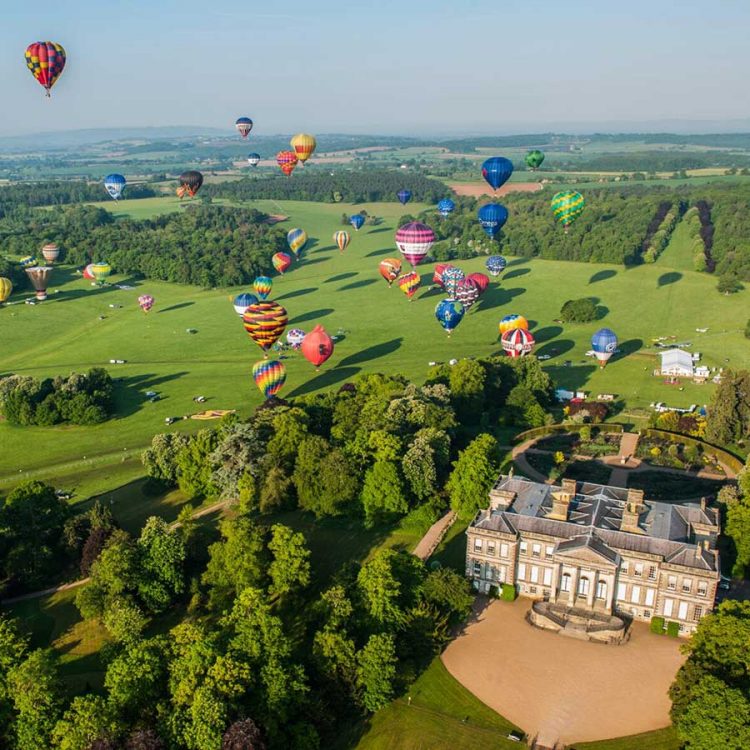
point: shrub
(673, 629)
(657, 625)
(578, 310)
(508, 592)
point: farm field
(379, 328)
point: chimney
(501, 499)
(703, 503)
(570, 486)
(632, 511)
(561, 500)
(698, 551)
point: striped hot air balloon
(100, 271)
(511, 322)
(281, 262)
(29, 260)
(46, 61)
(296, 239)
(452, 276)
(269, 376)
(467, 292)
(86, 273)
(517, 342)
(50, 252)
(262, 286)
(303, 145)
(244, 125)
(414, 240)
(481, 280)
(265, 322)
(389, 269)
(408, 283)
(567, 206)
(287, 161)
(342, 239)
(6, 287)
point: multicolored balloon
(281, 262)
(317, 346)
(534, 159)
(389, 269)
(287, 161)
(294, 337)
(452, 276)
(404, 196)
(265, 322)
(511, 322)
(29, 260)
(244, 125)
(46, 61)
(342, 239)
(604, 344)
(567, 206)
(467, 292)
(39, 277)
(296, 239)
(50, 252)
(414, 241)
(100, 271)
(303, 145)
(408, 283)
(242, 301)
(437, 276)
(517, 342)
(190, 183)
(87, 272)
(114, 184)
(497, 171)
(449, 314)
(6, 287)
(145, 302)
(446, 207)
(496, 264)
(481, 280)
(253, 159)
(270, 376)
(492, 217)
(262, 286)
(357, 221)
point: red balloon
(481, 280)
(437, 277)
(317, 346)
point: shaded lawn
(660, 739)
(668, 487)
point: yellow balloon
(6, 287)
(303, 145)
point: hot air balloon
(317, 346)
(100, 271)
(294, 337)
(497, 170)
(6, 287)
(408, 283)
(357, 220)
(29, 260)
(342, 239)
(296, 239)
(604, 344)
(253, 159)
(404, 196)
(414, 240)
(337, 196)
(567, 206)
(480, 280)
(269, 376)
(39, 277)
(242, 301)
(262, 286)
(496, 264)
(437, 276)
(46, 61)
(190, 183)
(265, 322)
(446, 207)
(517, 342)
(244, 125)
(534, 159)
(449, 314)
(87, 272)
(281, 262)
(511, 322)
(146, 302)
(51, 252)
(114, 184)
(467, 292)
(492, 216)
(389, 269)
(287, 161)
(303, 145)
(451, 278)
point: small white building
(677, 362)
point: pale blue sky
(392, 66)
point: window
(649, 597)
(672, 583)
(687, 585)
(549, 550)
(601, 589)
(565, 582)
(501, 573)
(503, 550)
(624, 566)
(702, 588)
(536, 550)
(548, 576)
(635, 595)
(477, 570)
(638, 572)
(491, 572)
(621, 591)
(647, 613)
(490, 548)
(522, 572)
(583, 586)
(668, 606)
(697, 613)
(652, 572)
(535, 574)
(532, 589)
(524, 548)
(682, 611)
(477, 545)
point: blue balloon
(242, 301)
(496, 264)
(446, 206)
(604, 344)
(497, 170)
(114, 184)
(404, 196)
(357, 220)
(449, 314)
(492, 216)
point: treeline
(204, 245)
(350, 186)
(660, 230)
(82, 399)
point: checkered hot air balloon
(296, 239)
(287, 161)
(497, 171)
(269, 376)
(190, 183)
(294, 337)
(342, 239)
(567, 206)
(408, 283)
(244, 125)
(495, 264)
(389, 269)
(452, 276)
(449, 314)
(262, 286)
(414, 240)
(46, 61)
(265, 322)
(281, 262)
(511, 322)
(50, 252)
(145, 302)
(517, 343)
(39, 277)
(242, 301)
(467, 292)
(303, 145)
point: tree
(579, 311)
(290, 428)
(144, 739)
(13, 648)
(729, 284)
(729, 411)
(473, 475)
(93, 547)
(382, 495)
(194, 468)
(467, 379)
(449, 592)
(523, 409)
(87, 719)
(376, 671)
(160, 458)
(239, 449)
(747, 329)
(290, 568)
(162, 556)
(425, 462)
(277, 491)
(136, 677)
(243, 735)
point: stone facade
(600, 548)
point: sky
(408, 67)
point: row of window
(490, 548)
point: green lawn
(661, 739)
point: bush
(508, 592)
(673, 629)
(578, 310)
(657, 625)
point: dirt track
(476, 189)
(561, 688)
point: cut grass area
(679, 252)
(660, 739)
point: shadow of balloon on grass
(547, 333)
(130, 392)
(499, 296)
(556, 348)
(178, 306)
(356, 284)
(607, 273)
(311, 315)
(631, 346)
(380, 229)
(384, 251)
(324, 379)
(298, 293)
(341, 277)
(671, 277)
(372, 352)
(515, 273)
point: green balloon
(534, 159)
(567, 206)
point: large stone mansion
(603, 550)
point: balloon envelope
(408, 283)
(467, 292)
(567, 206)
(269, 376)
(244, 125)
(287, 161)
(404, 196)
(29, 260)
(50, 252)
(414, 241)
(265, 322)
(146, 302)
(342, 239)
(190, 183)
(296, 239)
(357, 221)
(446, 206)
(294, 337)
(39, 277)
(253, 159)
(534, 159)
(262, 286)
(449, 314)
(517, 342)
(389, 269)
(46, 61)
(604, 344)
(87, 272)
(114, 184)
(480, 280)
(303, 145)
(6, 287)
(317, 346)
(511, 322)
(281, 261)
(100, 271)
(451, 278)
(242, 301)
(492, 217)
(437, 276)
(496, 264)
(497, 170)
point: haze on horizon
(418, 67)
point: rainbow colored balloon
(511, 322)
(281, 261)
(46, 61)
(145, 302)
(296, 239)
(270, 376)
(342, 239)
(265, 322)
(287, 161)
(567, 206)
(262, 286)
(408, 283)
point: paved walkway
(519, 458)
(560, 688)
(429, 542)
